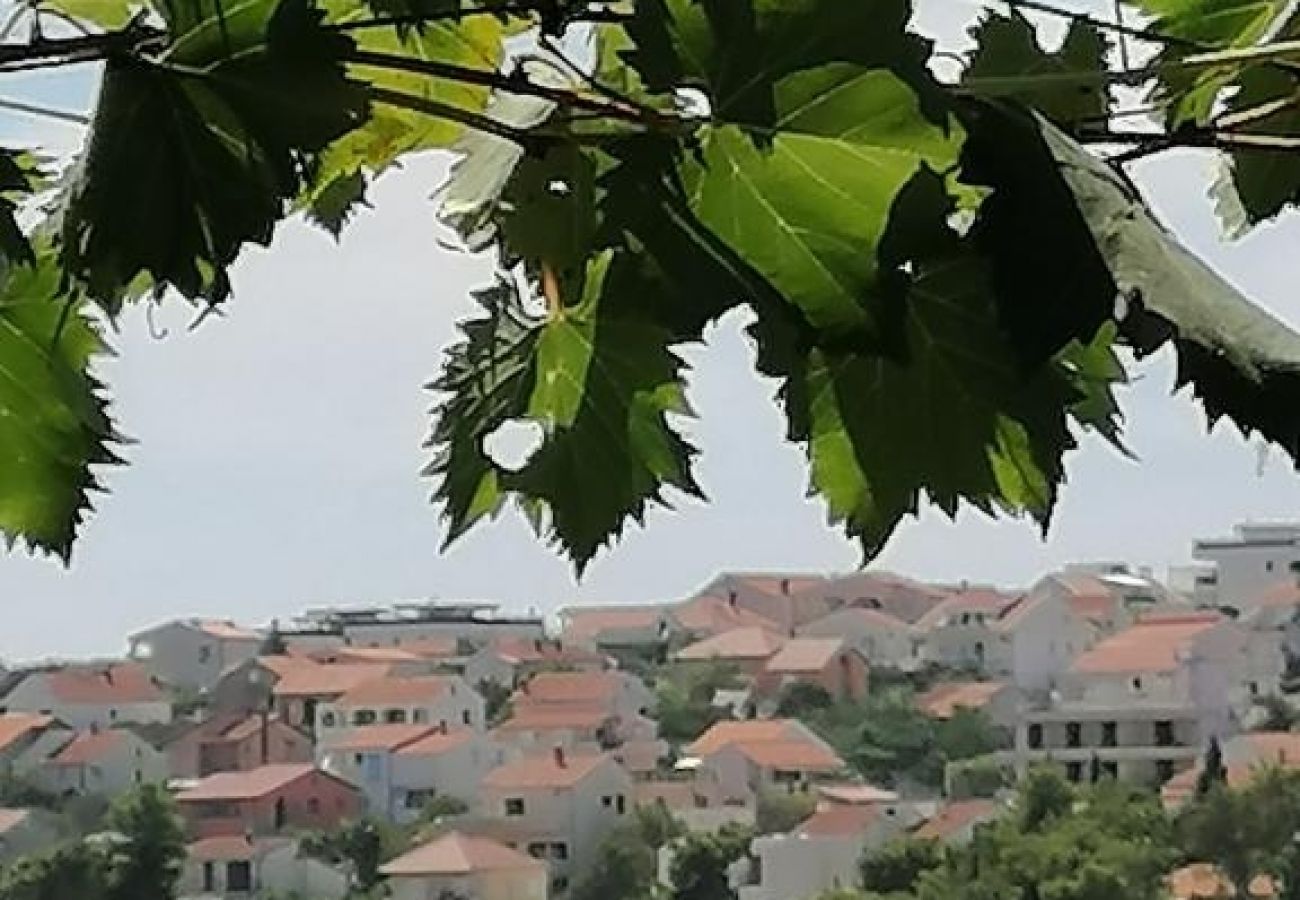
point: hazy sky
(279, 447)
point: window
(1034, 736)
(358, 758)
(1253, 688)
(1136, 684)
(1164, 770)
(395, 716)
(559, 851)
(364, 717)
(281, 813)
(514, 806)
(559, 884)
(1110, 769)
(313, 805)
(621, 805)
(420, 716)
(1073, 734)
(419, 798)
(607, 801)
(112, 714)
(209, 878)
(537, 850)
(328, 719)
(205, 654)
(1164, 734)
(1074, 771)
(1109, 734)
(466, 718)
(1268, 566)
(239, 877)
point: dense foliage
(939, 271)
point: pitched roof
(590, 623)
(12, 818)
(456, 853)
(856, 793)
(226, 630)
(246, 785)
(123, 682)
(231, 847)
(1205, 881)
(379, 737)
(282, 664)
(1182, 786)
(801, 655)
(15, 726)
(800, 755)
(988, 602)
(738, 643)
(548, 717)
(839, 820)
(437, 742)
(944, 699)
(526, 650)
(710, 614)
(545, 771)
(396, 689)
(571, 687)
(371, 655)
(894, 595)
(953, 817)
(720, 734)
(1151, 645)
(861, 615)
(1272, 747)
(433, 647)
(314, 680)
(673, 794)
(88, 747)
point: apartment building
(1242, 567)
(411, 622)
(430, 700)
(1143, 703)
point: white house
(106, 763)
(236, 866)
(557, 807)
(1144, 702)
(736, 762)
(1245, 565)
(463, 865)
(27, 740)
(192, 653)
(621, 694)
(433, 700)
(87, 696)
(624, 626)
(400, 769)
(885, 641)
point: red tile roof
(839, 820)
(856, 793)
(1273, 747)
(433, 647)
(246, 785)
(987, 601)
(739, 643)
(709, 614)
(873, 618)
(15, 726)
(437, 742)
(805, 655)
(771, 743)
(456, 853)
(370, 655)
(422, 689)
(11, 818)
(545, 771)
(1151, 645)
(282, 664)
(895, 595)
(125, 682)
(591, 623)
(222, 849)
(720, 734)
(571, 687)
(88, 747)
(313, 680)
(953, 817)
(379, 737)
(944, 699)
(1286, 593)
(547, 717)
(523, 650)
(793, 755)
(226, 631)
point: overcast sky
(279, 447)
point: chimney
(559, 757)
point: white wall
(185, 656)
(32, 695)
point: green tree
(966, 734)
(801, 698)
(496, 700)
(627, 862)
(894, 239)
(896, 867)
(1213, 771)
(1279, 715)
(146, 863)
(1044, 795)
(361, 846)
(78, 870)
(979, 777)
(779, 811)
(684, 698)
(700, 861)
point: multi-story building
(85, 696)
(735, 763)
(429, 700)
(412, 622)
(106, 763)
(268, 800)
(193, 653)
(1245, 565)
(1142, 704)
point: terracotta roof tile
(313, 680)
(226, 630)
(421, 689)
(551, 717)
(437, 742)
(873, 618)
(793, 755)
(15, 726)
(456, 853)
(944, 699)
(545, 771)
(720, 734)
(222, 849)
(379, 737)
(282, 664)
(1151, 645)
(895, 595)
(738, 643)
(839, 820)
(589, 624)
(709, 614)
(986, 601)
(856, 793)
(370, 655)
(953, 817)
(433, 647)
(125, 682)
(12, 818)
(805, 655)
(88, 747)
(1280, 748)
(246, 785)
(571, 687)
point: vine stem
(530, 142)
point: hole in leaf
(693, 103)
(513, 443)
(558, 187)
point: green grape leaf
(107, 14)
(334, 204)
(1192, 94)
(20, 177)
(955, 418)
(54, 424)
(1008, 61)
(193, 155)
(1239, 360)
(1262, 182)
(599, 378)
(805, 203)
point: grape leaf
(193, 155)
(1008, 61)
(954, 418)
(1205, 25)
(598, 377)
(107, 14)
(1240, 361)
(1262, 181)
(334, 204)
(805, 203)
(54, 425)
(20, 177)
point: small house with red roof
(622, 626)
(268, 800)
(556, 806)
(735, 762)
(511, 661)
(236, 742)
(1244, 757)
(465, 865)
(954, 822)
(1144, 702)
(107, 763)
(827, 662)
(191, 654)
(428, 700)
(883, 640)
(238, 865)
(748, 648)
(301, 687)
(91, 695)
(28, 740)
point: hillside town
(821, 717)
